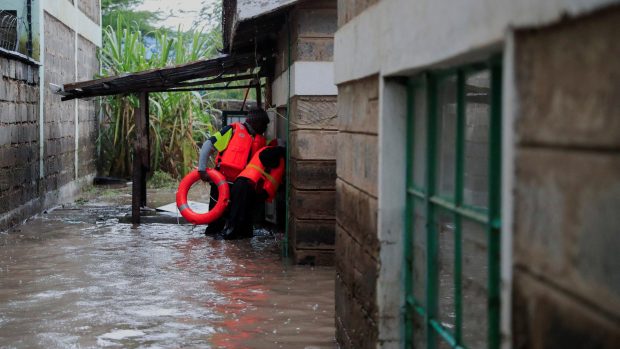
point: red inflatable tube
(213, 214)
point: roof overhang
(212, 74)
(250, 25)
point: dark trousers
(239, 213)
(216, 226)
(242, 202)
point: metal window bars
(425, 311)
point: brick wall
(357, 245)
(566, 281)
(19, 135)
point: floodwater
(76, 278)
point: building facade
(478, 173)
(296, 38)
(47, 147)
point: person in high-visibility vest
(235, 145)
(259, 181)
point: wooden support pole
(268, 93)
(140, 157)
(145, 144)
(259, 102)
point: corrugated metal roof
(249, 25)
(190, 76)
(248, 9)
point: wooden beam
(140, 158)
(215, 80)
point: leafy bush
(161, 179)
(178, 120)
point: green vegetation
(162, 180)
(112, 10)
(177, 120)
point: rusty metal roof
(249, 24)
(199, 75)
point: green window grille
(453, 221)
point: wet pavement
(76, 278)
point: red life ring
(213, 214)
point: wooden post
(140, 157)
(268, 93)
(259, 96)
(145, 144)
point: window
(452, 224)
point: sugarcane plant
(178, 120)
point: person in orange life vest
(235, 144)
(259, 181)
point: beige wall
(567, 181)
(51, 146)
(357, 245)
(313, 129)
(559, 170)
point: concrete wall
(59, 125)
(88, 110)
(48, 147)
(437, 31)
(370, 46)
(19, 140)
(567, 180)
(357, 243)
(91, 9)
(313, 128)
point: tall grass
(177, 119)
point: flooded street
(76, 278)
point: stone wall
(19, 140)
(313, 130)
(357, 245)
(566, 282)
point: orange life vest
(240, 148)
(258, 143)
(256, 172)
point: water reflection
(77, 278)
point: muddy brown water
(76, 278)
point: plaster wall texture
(91, 9)
(567, 181)
(75, 18)
(437, 31)
(551, 142)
